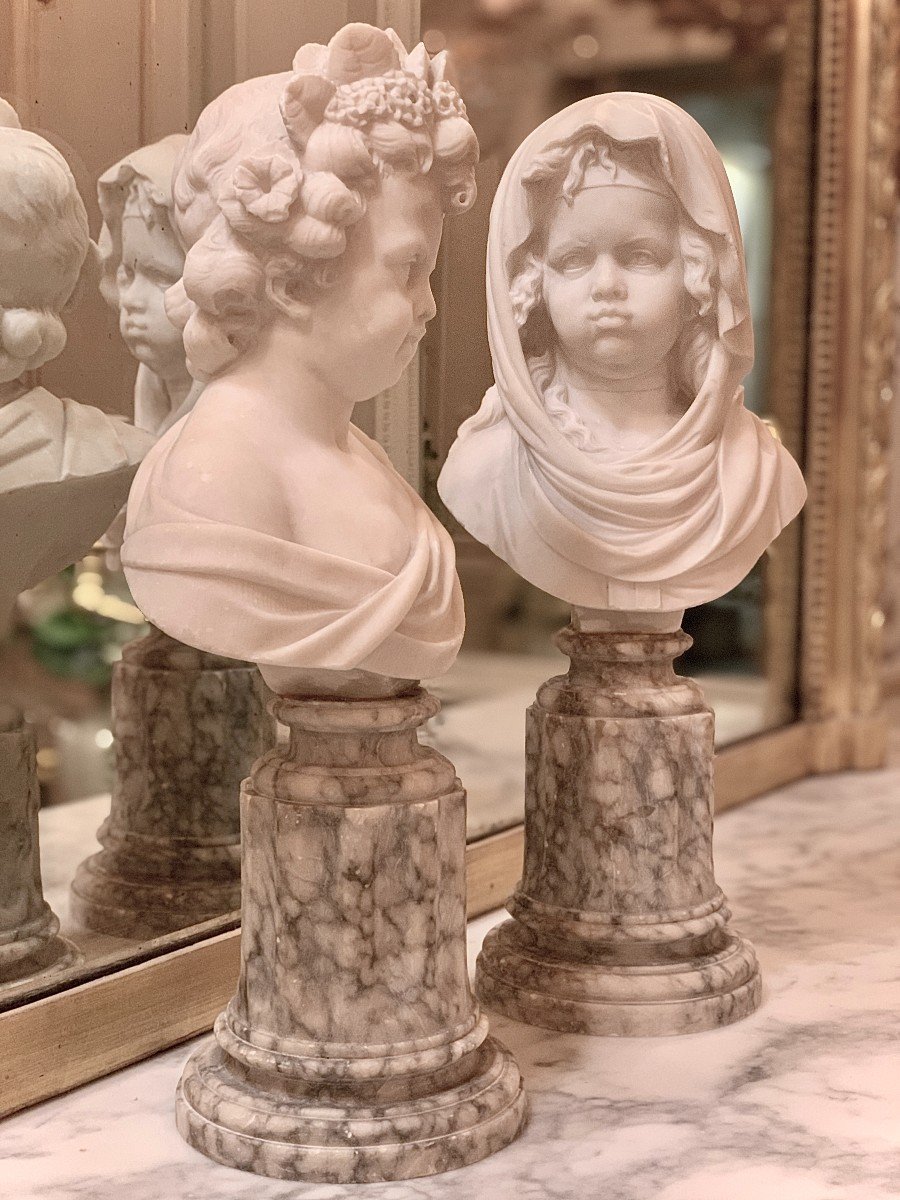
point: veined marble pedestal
(353, 1050)
(29, 945)
(618, 926)
(188, 726)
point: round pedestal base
(36, 951)
(221, 1113)
(134, 908)
(617, 1000)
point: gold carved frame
(62, 1040)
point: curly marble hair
(560, 172)
(269, 187)
(44, 245)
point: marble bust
(613, 463)
(264, 526)
(141, 258)
(65, 467)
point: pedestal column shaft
(188, 727)
(28, 928)
(618, 924)
(353, 1050)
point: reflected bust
(65, 467)
(614, 464)
(141, 258)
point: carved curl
(268, 205)
(44, 246)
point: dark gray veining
(29, 944)
(618, 926)
(798, 1102)
(353, 1050)
(188, 728)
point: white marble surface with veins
(801, 1101)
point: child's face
(614, 282)
(368, 325)
(151, 262)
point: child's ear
(282, 291)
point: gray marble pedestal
(29, 945)
(353, 1050)
(618, 926)
(188, 726)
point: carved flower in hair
(397, 95)
(447, 100)
(262, 190)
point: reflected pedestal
(618, 926)
(353, 1051)
(29, 945)
(188, 726)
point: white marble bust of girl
(141, 258)
(614, 464)
(265, 526)
(65, 468)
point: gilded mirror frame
(844, 176)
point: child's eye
(573, 263)
(641, 258)
(162, 279)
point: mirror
(745, 72)
(795, 657)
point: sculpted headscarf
(155, 165)
(666, 527)
(249, 594)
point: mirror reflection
(130, 870)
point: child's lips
(611, 319)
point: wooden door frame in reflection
(88, 1030)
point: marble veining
(353, 1050)
(30, 947)
(618, 926)
(188, 727)
(800, 1101)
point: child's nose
(429, 307)
(607, 278)
(131, 296)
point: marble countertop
(799, 1102)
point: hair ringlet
(349, 114)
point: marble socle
(353, 1050)
(618, 926)
(29, 944)
(188, 726)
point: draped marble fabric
(668, 526)
(65, 470)
(250, 593)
